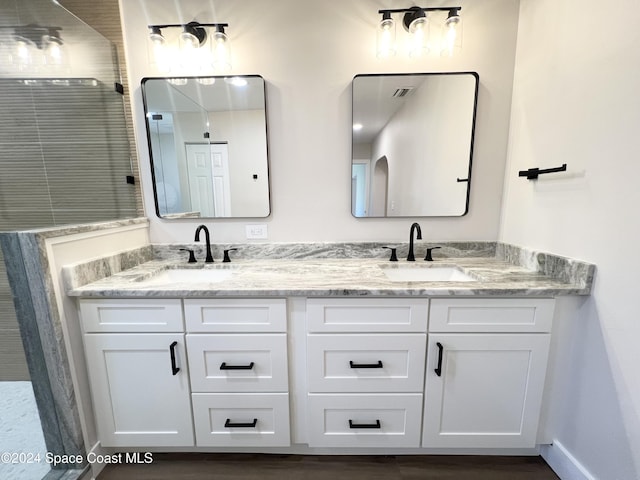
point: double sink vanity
(323, 346)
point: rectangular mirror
(412, 144)
(208, 146)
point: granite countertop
(329, 277)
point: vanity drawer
(366, 363)
(236, 315)
(380, 420)
(366, 314)
(134, 315)
(491, 315)
(241, 420)
(238, 363)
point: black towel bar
(532, 173)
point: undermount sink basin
(189, 275)
(419, 273)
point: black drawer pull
(438, 369)
(365, 365)
(229, 424)
(364, 425)
(224, 366)
(172, 352)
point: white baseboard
(563, 463)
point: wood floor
(293, 467)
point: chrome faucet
(209, 258)
(414, 226)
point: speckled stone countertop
(332, 277)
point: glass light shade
(156, 39)
(22, 55)
(221, 51)
(53, 51)
(419, 37)
(189, 40)
(386, 38)
(451, 36)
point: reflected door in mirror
(208, 146)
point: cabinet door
(484, 390)
(139, 398)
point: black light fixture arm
(182, 25)
(424, 9)
(413, 13)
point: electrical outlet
(257, 231)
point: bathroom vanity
(328, 353)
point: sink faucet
(414, 226)
(209, 258)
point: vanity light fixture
(417, 21)
(36, 45)
(197, 44)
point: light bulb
(155, 35)
(451, 35)
(419, 32)
(22, 55)
(221, 51)
(189, 40)
(53, 54)
(386, 44)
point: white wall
(308, 52)
(76, 248)
(576, 101)
(245, 134)
(442, 139)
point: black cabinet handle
(229, 424)
(364, 425)
(438, 369)
(365, 365)
(224, 366)
(172, 351)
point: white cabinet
(215, 372)
(484, 390)
(139, 379)
(140, 389)
(365, 371)
(237, 351)
(144, 392)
